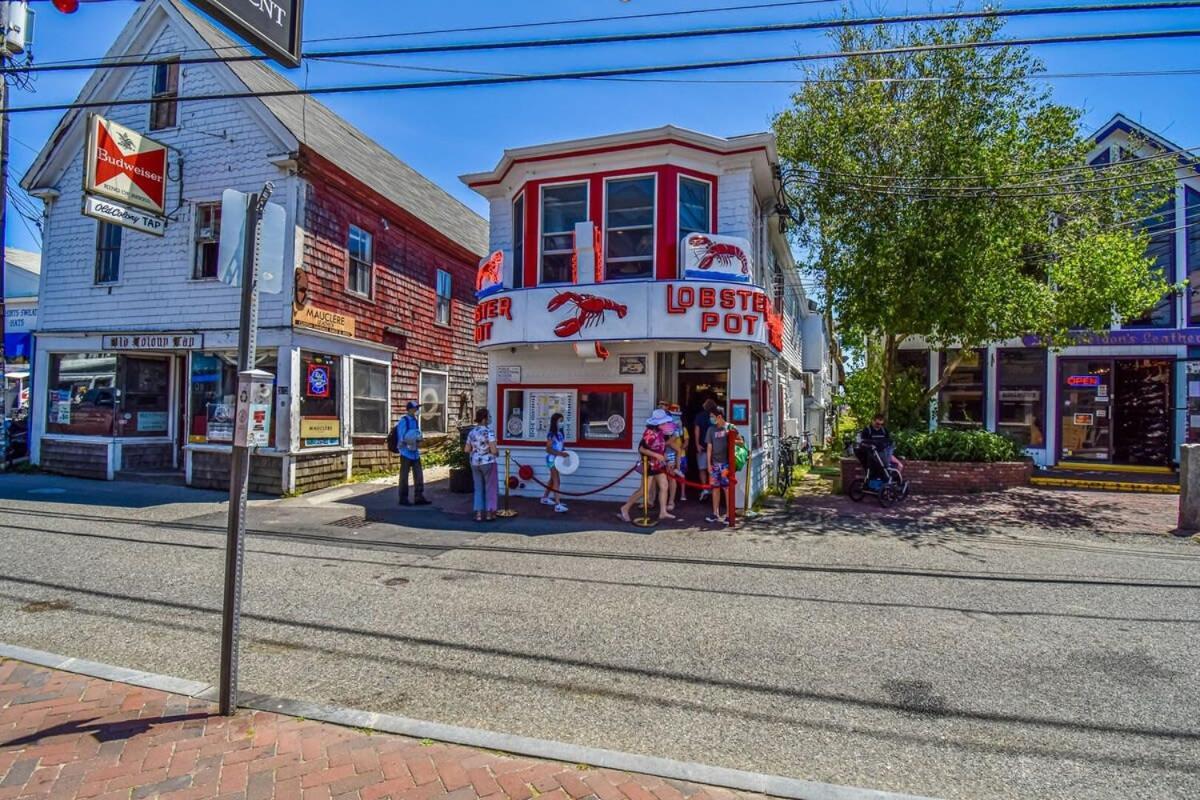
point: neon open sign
(1083, 380)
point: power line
(810, 25)
(984, 192)
(481, 28)
(1151, 73)
(578, 21)
(623, 71)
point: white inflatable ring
(567, 464)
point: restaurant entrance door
(1115, 411)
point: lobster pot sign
(709, 257)
(489, 279)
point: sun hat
(659, 417)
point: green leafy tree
(944, 195)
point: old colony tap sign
(611, 312)
(125, 180)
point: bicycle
(785, 463)
(806, 449)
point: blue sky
(446, 132)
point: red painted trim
(616, 148)
(624, 443)
(666, 224)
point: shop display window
(369, 390)
(1021, 396)
(320, 422)
(212, 395)
(433, 401)
(82, 397)
(595, 416)
(960, 401)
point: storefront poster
(707, 256)
(739, 411)
(633, 365)
(220, 422)
(60, 407)
(1084, 420)
(508, 374)
(151, 421)
(320, 428)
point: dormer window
(629, 228)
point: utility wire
(984, 192)
(481, 28)
(623, 71)
(642, 37)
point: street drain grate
(350, 522)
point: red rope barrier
(609, 485)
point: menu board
(541, 404)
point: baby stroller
(883, 480)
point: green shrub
(947, 444)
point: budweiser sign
(124, 165)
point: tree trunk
(889, 369)
(946, 373)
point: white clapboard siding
(222, 146)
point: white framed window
(164, 107)
(444, 288)
(563, 205)
(629, 227)
(359, 247)
(434, 388)
(369, 398)
(208, 238)
(695, 206)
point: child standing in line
(682, 465)
(555, 447)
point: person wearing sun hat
(680, 443)
(654, 448)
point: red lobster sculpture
(590, 310)
(721, 252)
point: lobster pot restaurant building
(1126, 397)
(632, 269)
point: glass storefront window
(960, 401)
(433, 401)
(369, 389)
(1161, 227)
(211, 395)
(1191, 202)
(82, 397)
(603, 415)
(1021, 400)
(145, 401)
(320, 423)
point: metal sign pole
(239, 467)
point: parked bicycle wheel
(856, 490)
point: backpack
(393, 439)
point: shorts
(550, 461)
(702, 461)
(683, 462)
(719, 474)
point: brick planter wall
(945, 477)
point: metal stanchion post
(644, 521)
(731, 488)
(506, 512)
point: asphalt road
(985, 665)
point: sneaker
(546, 501)
(560, 508)
(704, 495)
(713, 518)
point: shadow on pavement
(43, 487)
(104, 731)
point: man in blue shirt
(408, 434)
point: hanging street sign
(273, 26)
(118, 214)
(231, 248)
(125, 166)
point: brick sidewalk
(64, 735)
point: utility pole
(239, 467)
(3, 260)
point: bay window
(629, 228)
(518, 250)
(596, 416)
(695, 206)
(562, 207)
